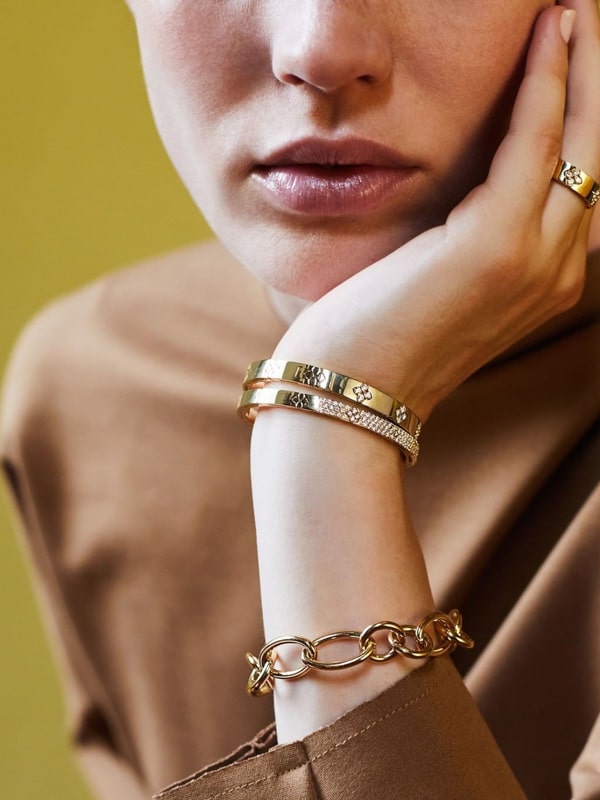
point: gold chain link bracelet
(435, 635)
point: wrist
(330, 513)
(401, 375)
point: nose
(329, 44)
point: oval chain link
(367, 634)
(436, 621)
(364, 653)
(457, 634)
(266, 655)
(421, 649)
(260, 681)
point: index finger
(521, 171)
(581, 141)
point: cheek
(199, 49)
(464, 81)
(201, 61)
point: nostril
(329, 52)
(295, 80)
(291, 79)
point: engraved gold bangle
(253, 399)
(578, 181)
(359, 392)
(436, 635)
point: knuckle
(510, 265)
(549, 145)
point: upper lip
(335, 152)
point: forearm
(336, 551)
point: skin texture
(399, 73)
(528, 267)
(412, 297)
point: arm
(335, 543)
(336, 551)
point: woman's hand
(329, 499)
(510, 256)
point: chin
(308, 263)
(310, 269)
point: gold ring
(578, 181)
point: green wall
(85, 188)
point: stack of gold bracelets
(346, 399)
(353, 401)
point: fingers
(556, 114)
(521, 171)
(538, 228)
(581, 138)
(582, 119)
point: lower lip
(333, 191)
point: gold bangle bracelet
(253, 399)
(435, 635)
(359, 392)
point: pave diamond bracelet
(253, 399)
(263, 372)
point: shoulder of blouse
(173, 305)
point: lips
(336, 152)
(334, 177)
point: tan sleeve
(108, 769)
(92, 728)
(423, 737)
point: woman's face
(318, 135)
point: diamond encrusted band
(261, 372)
(252, 399)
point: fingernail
(567, 20)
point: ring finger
(581, 142)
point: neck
(286, 306)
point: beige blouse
(129, 471)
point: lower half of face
(316, 137)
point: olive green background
(85, 188)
